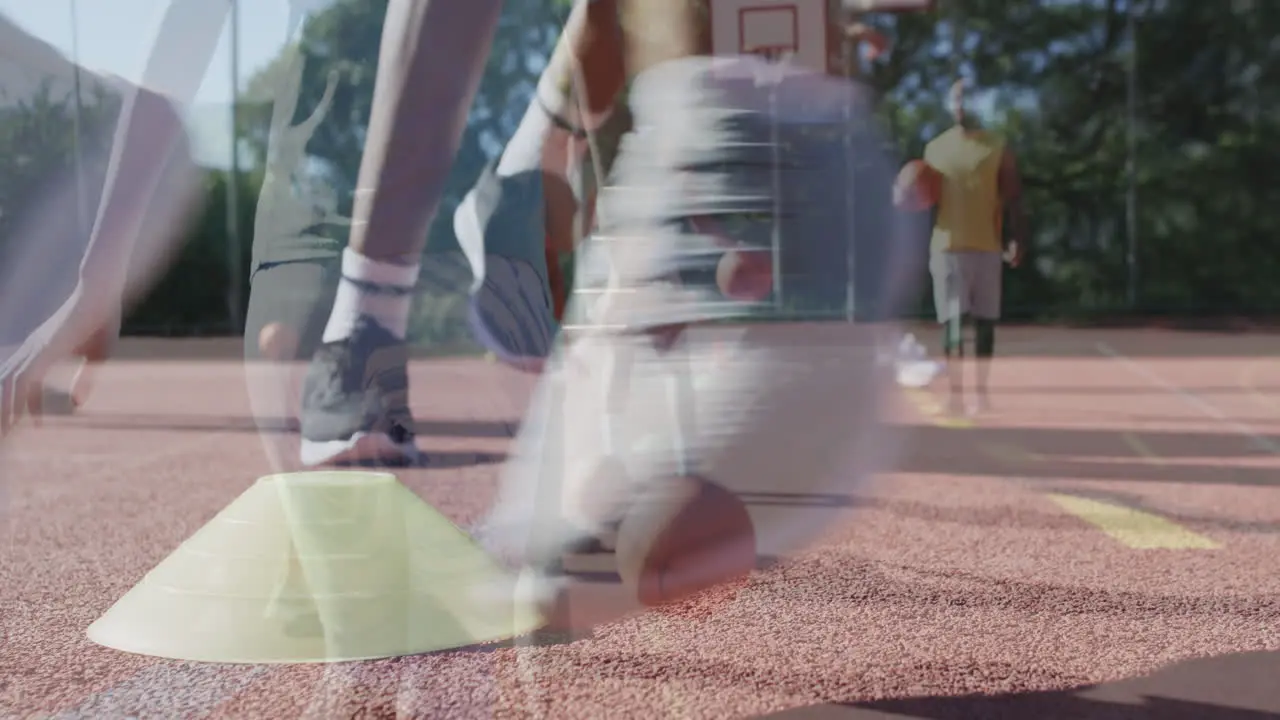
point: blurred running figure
(725, 154)
(151, 187)
(980, 186)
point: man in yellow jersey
(980, 185)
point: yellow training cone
(318, 567)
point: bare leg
(433, 55)
(588, 64)
(661, 30)
(984, 352)
(524, 213)
(432, 58)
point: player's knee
(288, 306)
(278, 341)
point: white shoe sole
(470, 233)
(361, 447)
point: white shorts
(787, 416)
(967, 283)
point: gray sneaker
(355, 402)
(502, 230)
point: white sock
(524, 151)
(389, 309)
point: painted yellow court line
(932, 409)
(1133, 528)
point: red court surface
(1113, 522)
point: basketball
(918, 187)
(876, 43)
(685, 535)
(745, 275)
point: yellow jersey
(970, 214)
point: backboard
(797, 31)
(889, 6)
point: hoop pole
(235, 295)
(853, 73)
(1131, 164)
(82, 209)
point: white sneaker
(918, 373)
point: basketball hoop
(774, 53)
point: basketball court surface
(1115, 516)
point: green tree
(48, 152)
(1053, 76)
(192, 297)
(345, 37)
(1205, 129)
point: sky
(114, 36)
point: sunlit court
(1114, 514)
(594, 359)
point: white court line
(1191, 399)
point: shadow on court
(1232, 687)
(1141, 390)
(231, 424)
(1138, 338)
(1078, 454)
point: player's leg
(987, 271)
(523, 213)
(702, 152)
(949, 302)
(295, 261)
(355, 398)
(143, 209)
(564, 482)
(289, 305)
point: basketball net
(774, 53)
